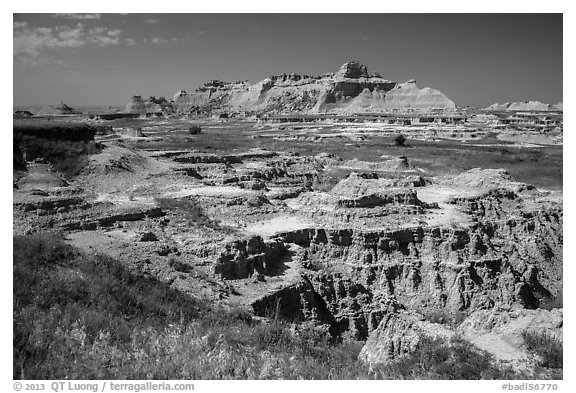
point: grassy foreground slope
(79, 316)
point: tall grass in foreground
(79, 316)
(547, 347)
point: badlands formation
(330, 224)
(350, 90)
(525, 106)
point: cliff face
(498, 331)
(513, 261)
(350, 90)
(507, 251)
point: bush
(195, 129)
(547, 347)
(399, 140)
(437, 359)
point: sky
(104, 59)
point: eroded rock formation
(350, 90)
(526, 106)
(59, 109)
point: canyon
(454, 231)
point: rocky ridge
(525, 106)
(350, 90)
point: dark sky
(93, 59)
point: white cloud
(77, 16)
(36, 45)
(152, 21)
(103, 36)
(158, 41)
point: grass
(80, 316)
(547, 347)
(455, 360)
(64, 145)
(67, 304)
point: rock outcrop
(526, 106)
(355, 191)
(488, 179)
(242, 258)
(353, 70)
(136, 105)
(408, 96)
(350, 90)
(530, 106)
(399, 334)
(500, 331)
(22, 114)
(508, 253)
(152, 105)
(58, 109)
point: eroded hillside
(381, 252)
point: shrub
(437, 359)
(399, 140)
(547, 347)
(195, 129)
